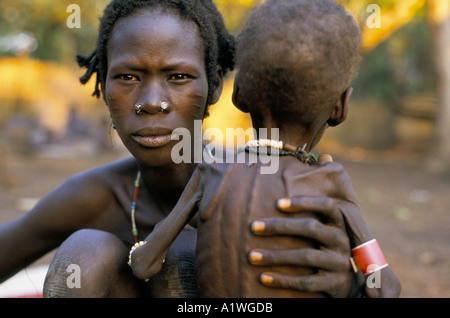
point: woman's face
(155, 57)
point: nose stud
(162, 107)
(137, 108)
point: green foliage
(46, 21)
(401, 66)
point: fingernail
(284, 203)
(266, 279)
(258, 226)
(325, 157)
(255, 257)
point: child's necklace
(253, 146)
(281, 149)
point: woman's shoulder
(83, 198)
(108, 173)
(99, 183)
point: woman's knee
(88, 264)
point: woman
(159, 64)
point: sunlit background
(399, 111)
(395, 102)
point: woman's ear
(218, 87)
(340, 110)
(237, 97)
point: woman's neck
(165, 184)
(170, 177)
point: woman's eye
(127, 77)
(179, 77)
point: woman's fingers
(325, 207)
(307, 227)
(307, 257)
(331, 284)
(321, 221)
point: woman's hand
(332, 259)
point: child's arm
(147, 260)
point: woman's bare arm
(73, 205)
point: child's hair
(298, 55)
(218, 44)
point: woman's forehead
(161, 21)
(149, 34)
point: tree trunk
(439, 158)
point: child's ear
(218, 85)
(236, 97)
(340, 111)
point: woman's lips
(152, 136)
(152, 141)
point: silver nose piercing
(164, 106)
(137, 108)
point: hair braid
(91, 63)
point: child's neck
(295, 135)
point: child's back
(235, 195)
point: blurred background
(395, 143)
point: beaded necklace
(134, 230)
(133, 208)
(282, 149)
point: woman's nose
(152, 100)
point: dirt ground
(407, 208)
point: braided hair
(218, 44)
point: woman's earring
(110, 134)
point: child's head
(297, 58)
(217, 42)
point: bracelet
(369, 257)
(135, 246)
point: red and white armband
(369, 257)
